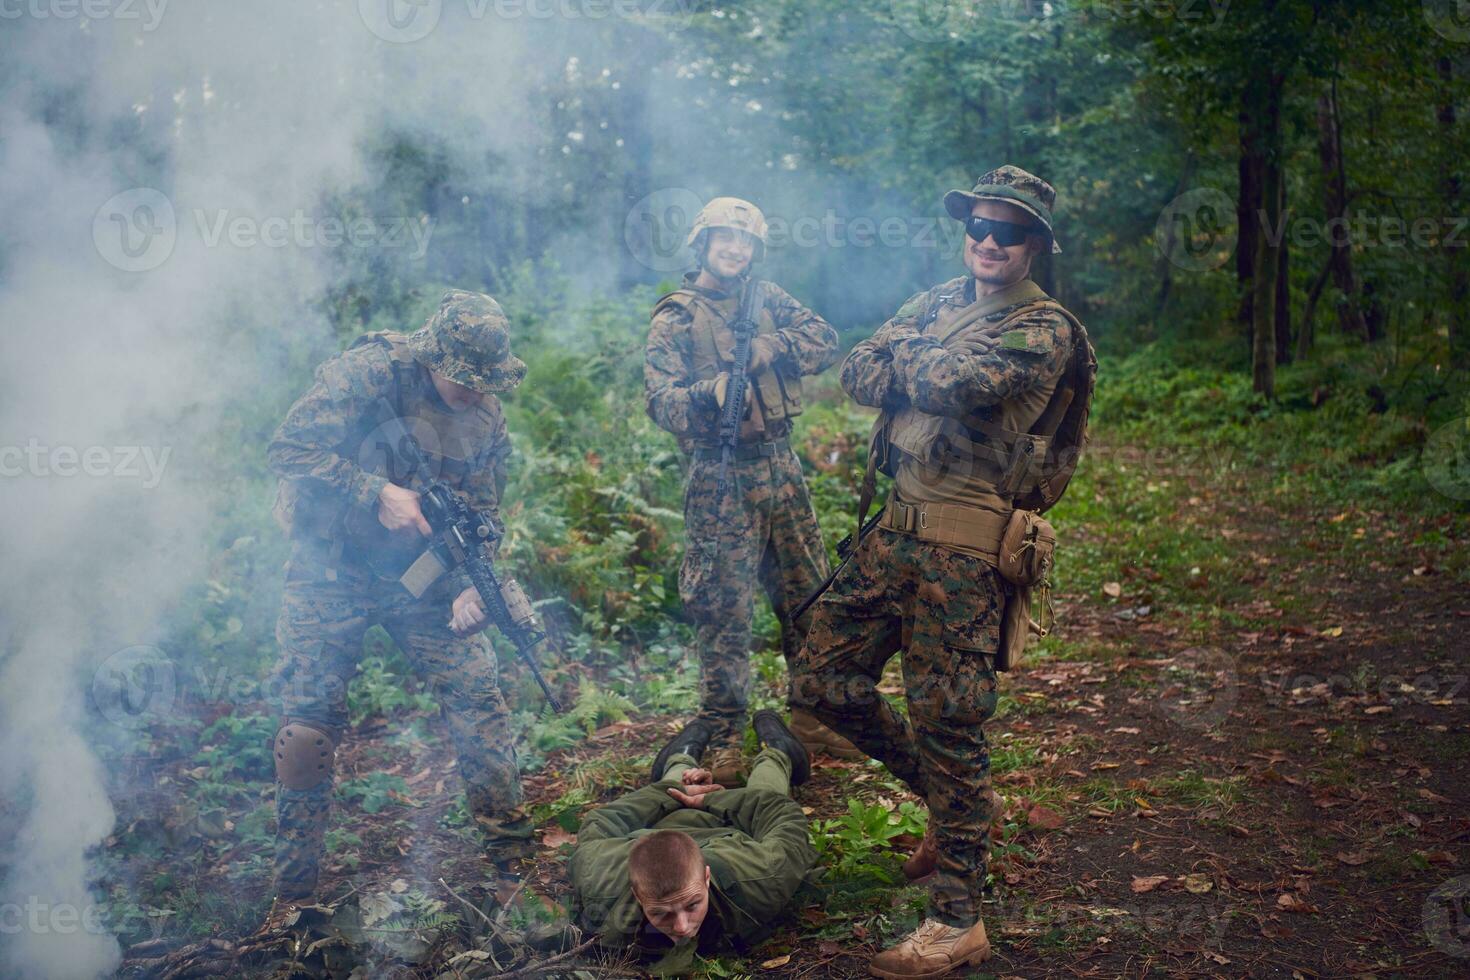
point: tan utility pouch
(1026, 551)
(1027, 547)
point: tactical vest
(777, 391)
(1028, 466)
(453, 445)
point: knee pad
(304, 755)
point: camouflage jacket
(334, 453)
(806, 344)
(899, 365)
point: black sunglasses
(1005, 233)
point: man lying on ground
(685, 865)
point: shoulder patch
(1032, 340)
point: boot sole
(974, 959)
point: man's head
(671, 882)
(466, 345)
(727, 236)
(1001, 240)
(1007, 219)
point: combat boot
(921, 863)
(727, 766)
(933, 950)
(692, 740)
(818, 738)
(774, 734)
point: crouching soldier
(685, 865)
(355, 527)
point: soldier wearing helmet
(354, 529)
(764, 529)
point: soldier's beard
(724, 280)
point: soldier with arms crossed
(354, 531)
(966, 375)
(763, 529)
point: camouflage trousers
(764, 530)
(320, 634)
(943, 610)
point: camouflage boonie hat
(1013, 186)
(468, 342)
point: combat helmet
(729, 212)
(468, 341)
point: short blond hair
(663, 863)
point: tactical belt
(973, 528)
(750, 450)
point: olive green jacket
(754, 840)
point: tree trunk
(1247, 208)
(1334, 183)
(1455, 259)
(1305, 333)
(1261, 170)
(1283, 293)
(1166, 247)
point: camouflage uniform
(341, 578)
(765, 528)
(939, 605)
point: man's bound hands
(698, 783)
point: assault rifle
(744, 328)
(460, 535)
(846, 548)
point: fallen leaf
(1125, 731)
(1197, 884)
(1352, 858)
(1378, 709)
(776, 963)
(1217, 958)
(1333, 631)
(554, 837)
(1148, 883)
(398, 887)
(1432, 796)
(1112, 589)
(1288, 902)
(1044, 818)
